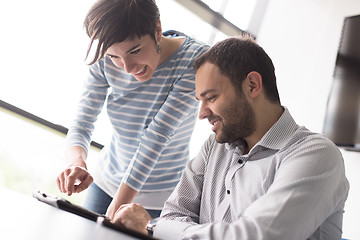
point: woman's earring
(158, 48)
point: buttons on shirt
(228, 191)
(240, 161)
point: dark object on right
(342, 119)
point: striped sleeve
(90, 105)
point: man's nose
(204, 111)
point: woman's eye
(135, 52)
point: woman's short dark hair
(236, 57)
(113, 21)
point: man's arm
(182, 209)
(175, 217)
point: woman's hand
(75, 178)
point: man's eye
(209, 99)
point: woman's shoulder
(196, 44)
(189, 42)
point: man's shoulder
(314, 145)
(304, 136)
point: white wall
(302, 38)
(352, 208)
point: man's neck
(265, 119)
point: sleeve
(308, 187)
(178, 107)
(90, 105)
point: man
(261, 176)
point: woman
(148, 83)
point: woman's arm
(75, 178)
(124, 194)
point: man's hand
(124, 195)
(133, 216)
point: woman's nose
(127, 65)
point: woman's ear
(254, 81)
(158, 31)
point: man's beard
(238, 121)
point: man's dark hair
(113, 21)
(236, 57)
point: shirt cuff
(169, 229)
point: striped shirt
(291, 185)
(152, 121)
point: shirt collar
(280, 133)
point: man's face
(225, 108)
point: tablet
(66, 205)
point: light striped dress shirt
(152, 122)
(291, 185)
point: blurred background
(43, 46)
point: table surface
(24, 217)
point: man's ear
(254, 81)
(158, 31)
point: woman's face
(137, 57)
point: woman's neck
(169, 47)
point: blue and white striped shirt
(152, 121)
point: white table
(24, 217)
